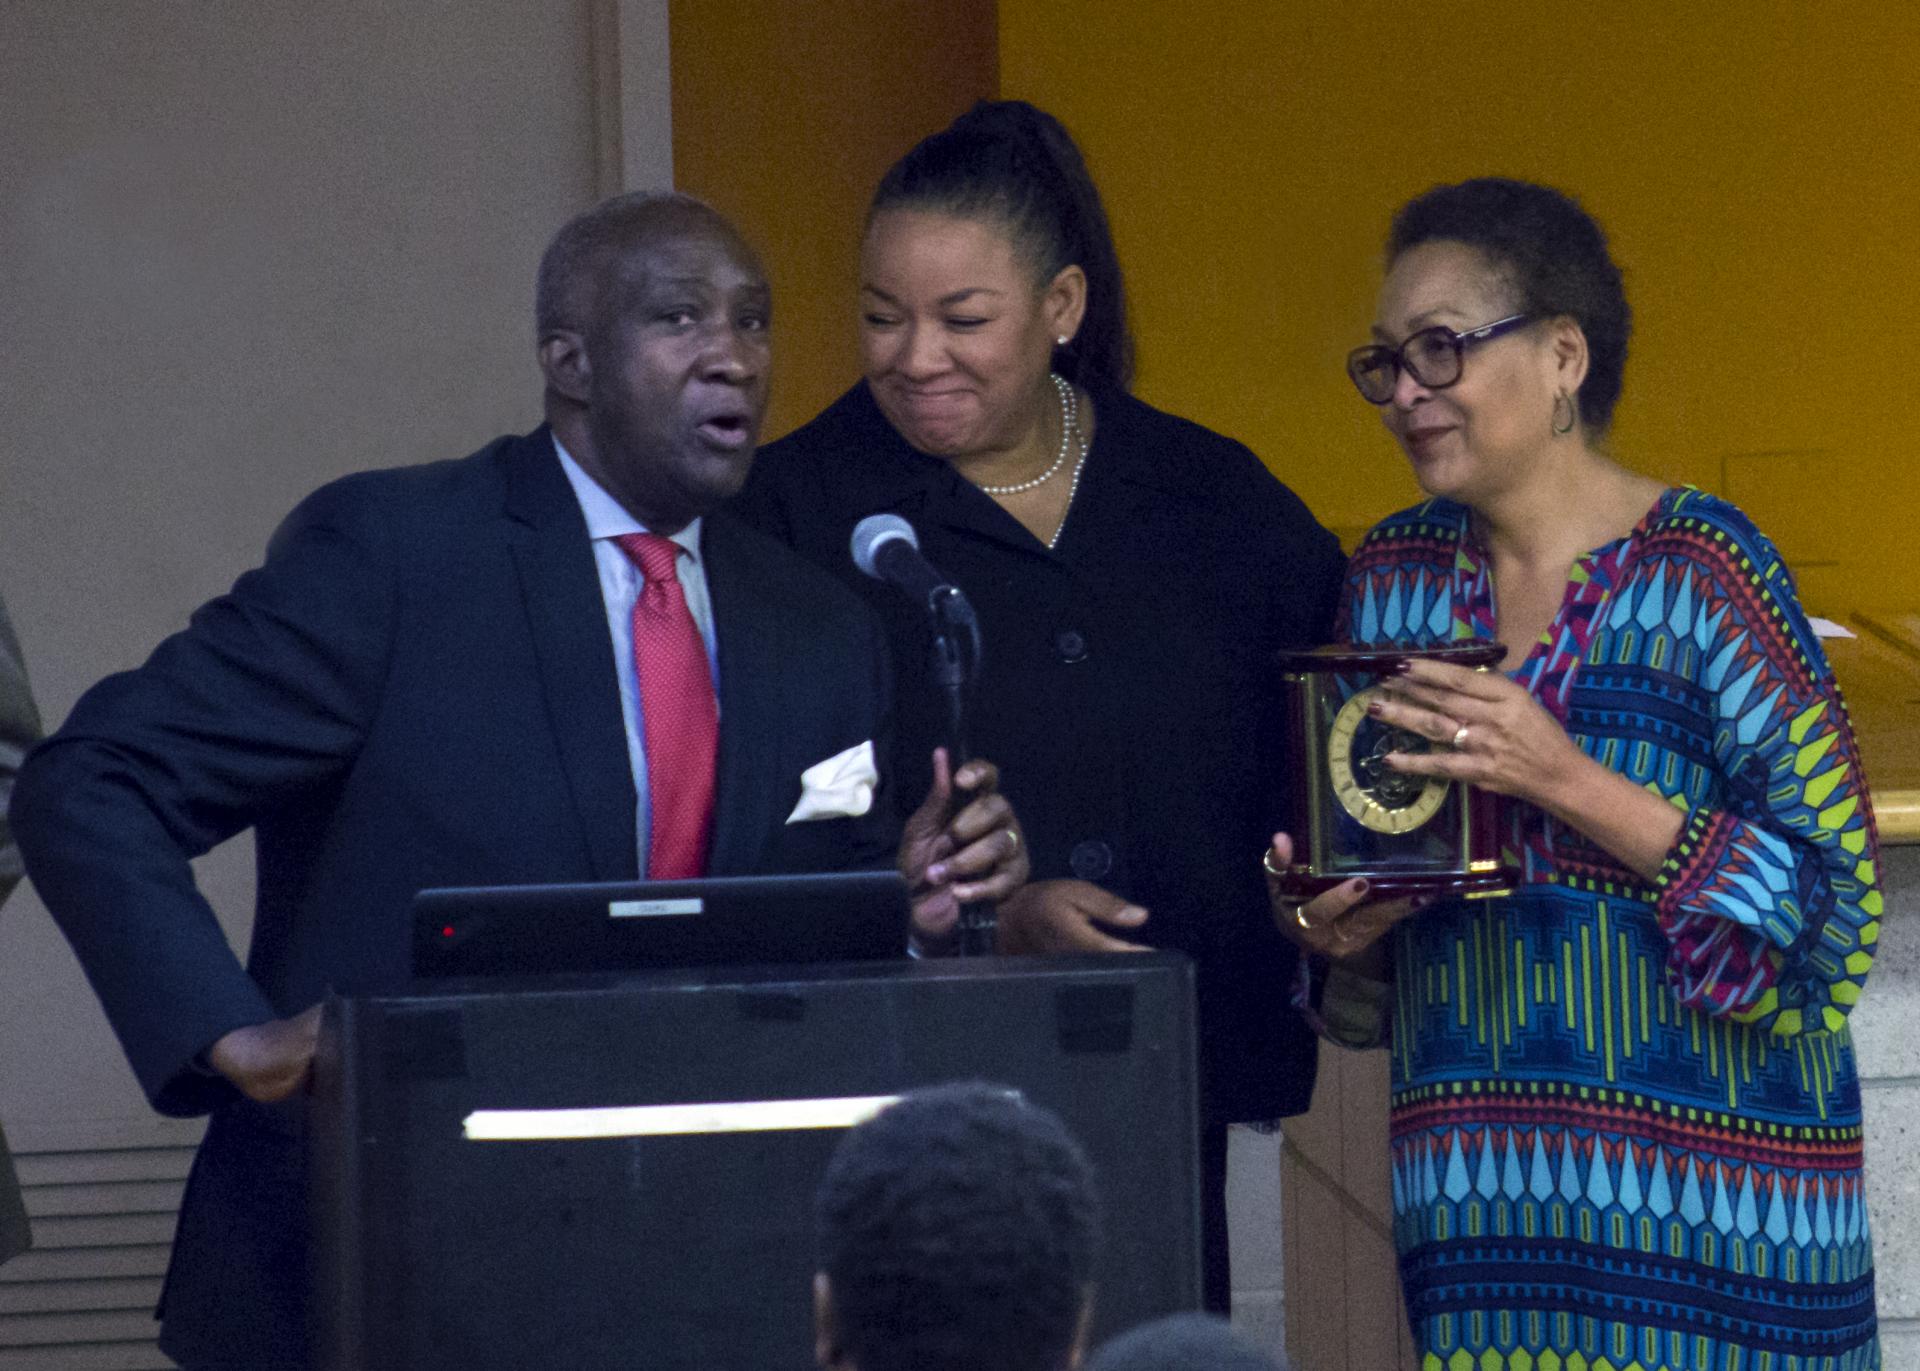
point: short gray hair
(574, 266)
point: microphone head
(873, 531)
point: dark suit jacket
(417, 688)
(19, 726)
(1127, 693)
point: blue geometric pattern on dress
(1626, 1120)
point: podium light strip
(665, 1120)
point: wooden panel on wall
(1343, 1288)
(83, 1297)
(632, 95)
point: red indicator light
(447, 932)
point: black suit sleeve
(266, 695)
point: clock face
(1385, 800)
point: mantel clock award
(1352, 814)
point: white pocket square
(839, 788)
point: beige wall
(245, 246)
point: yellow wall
(785, 115)
(1758, 168)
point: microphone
(887, 549)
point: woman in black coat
(1132, 574)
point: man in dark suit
(549, 661)
(19, 727)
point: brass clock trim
(1346, 787)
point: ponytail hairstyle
(1015, 165)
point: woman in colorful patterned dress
(1625, 1118)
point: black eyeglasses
(1431, 356)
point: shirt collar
(606, 516)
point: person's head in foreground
(1182, 1342)
(957, 1231)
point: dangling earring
(1573, 414)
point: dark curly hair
(957, 1230)
(1552, 252)
(1014, 164)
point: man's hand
(951, 859)
(268, 1061)
(1066, 916)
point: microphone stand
(955, 667)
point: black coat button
(1071, 644)
(1091, 859)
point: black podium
(440, 1246)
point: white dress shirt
(620, 585)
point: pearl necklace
(1072, 490)
(1069, 412)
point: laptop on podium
(522, 930)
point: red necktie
(677, 713)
